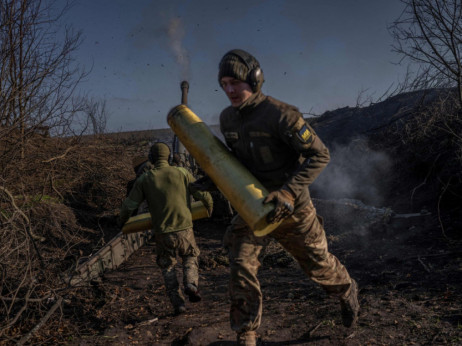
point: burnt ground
(410, 280)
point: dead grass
(53, 206)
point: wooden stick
(50, 312)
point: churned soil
(410, 294)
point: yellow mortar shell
(238, 185)
(143, 222)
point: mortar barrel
(184, 92)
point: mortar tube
(184, 92)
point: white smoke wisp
(176, 33)
(354, 172)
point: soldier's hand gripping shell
(284, 205)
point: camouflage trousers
(303, 236)
(168, 245)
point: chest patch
(259, 134)
(231, 136)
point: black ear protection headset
(255, 76)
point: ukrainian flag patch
(304, 133)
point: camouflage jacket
(275, 143)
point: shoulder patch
(305, 134)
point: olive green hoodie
(168, 194)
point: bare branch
(429, 34)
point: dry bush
(434, 136)
(57, 206)
(427, 148)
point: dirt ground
(410, 281)
(410, 275)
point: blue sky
(318, 55)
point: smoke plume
(355, 171)
(176, 34)
(167, 32)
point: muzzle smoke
(176, 34)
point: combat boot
(193, 293)
(248, 338)
(177, 302)
(350, 306)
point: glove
(204, 184)
(284, 205)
